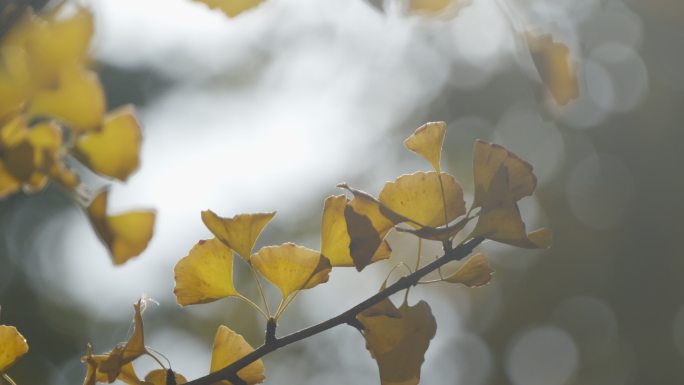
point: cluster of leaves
(426, 204)
(53, 108)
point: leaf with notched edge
(239, 232)
(230, 347)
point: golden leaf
(12, 346)
(125, 235)
(443, 8)
(418, 196)
(205, 274)
(555, 67)
(230, 347)
(239, 232)
(399, 344)
(115, 149)
(473, 272)
(335, 241)
(291, 267)
(427, 142)
(231, 8)
(159, 377)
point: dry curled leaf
(239, 232)
(205, 274)
(230, 347)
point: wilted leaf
(473, 272)
(231, 8)
(12, 346)
(125, 235)
(555, 67)
(76, 99)
(291, 267)
(335, 241)
(159, 377)
(205, 274)
(239, 232)
(427, 142)
(230, 347)
(115, 149)
(399, 344)
(419, 197)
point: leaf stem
(252, 304)
(8, 379)
(261, 290)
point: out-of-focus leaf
(159, 376)
(441, 8)
(125, 235)
(398, 345)
(12, 346)
(14, 79)
(335, 241)
(555, 67)
(473, 272)
(115, 149)
(239, 232)
(91, 371)
(419, 196)
(291, 267)
(231, 8)
(230, 347)
(77, 99)
(427, 142)
(205, 274)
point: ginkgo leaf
(443, 8)
(555, 67)
(427, 142)
(91, 371)
(365, 241)
(488, 158)
(77, 99)
(128, 375)
(239, 232)
(473, 272)
(12, 346)
(384, 307)
(231, 8)
(205, 274)
(291, 267)
(125, 235)
(160, 376)
(398, 345)
(114, 150)
(335, 241)
(419, 197)
(230, 347)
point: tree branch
(348, 317)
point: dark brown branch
(348, 317)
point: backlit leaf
(125, 235)
(473, 272)
(399, 344)
(335, 241)
(205, 274)
(555, 67)
(365, 241)
(291, 267)
(231, 8)
(239, 232)
(427, 142)
(443, 8)
(159, 376)
(12, 346)
(419, 197)
(230, 347)
(115, 149)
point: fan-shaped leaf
(473, 272)
(12, 346)
(230, 347)
(239, 232)
(427, 142)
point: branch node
(356, 324)
(271, 325)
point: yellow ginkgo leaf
(125, 235)
(91, 371)
(15, 79)
(399, 344)
(230, 347)
(291, 267)
(418, 196)
(161, 376)
(12, 346)
(77, 99)
(427, 142)
(473, 272)
(442, 8)
(488, 158)
(335, 241)
(555, 67)
(115, 149)
(205, 274)
(365, 242)
(231, 8)
(128, 375)
(239, 232)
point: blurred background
(271, 109)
